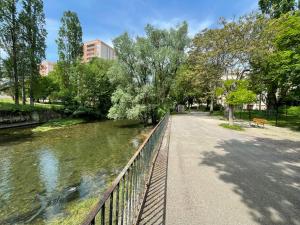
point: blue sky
(106, 19)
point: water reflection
(48, 165)
(4, 181)
(42, 174)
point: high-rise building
(99, 49)
(46, 67)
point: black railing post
(117, 204)
(111, 208)
(103, 215)
(122, 201)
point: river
(55, 177)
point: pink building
(46, 67)
(97, 48)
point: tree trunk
(211, 108)
(271, 98)
(16, 86)
(230, 114)
(15, 55)
(260, 99)
(31, 92)
(23, 91)
(276, 123)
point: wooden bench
(259, 121)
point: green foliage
(276, 67)
(145, 71)
(236, 92)
(186, 86)
(241, 96)
(232, 127)
(95, 88)
(44, 87)
(89, 87)
(294, 111)
(277, 7)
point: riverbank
(12, 116)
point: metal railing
(121, 203)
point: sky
(107, 19)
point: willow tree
(145, 70)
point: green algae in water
(55, 177)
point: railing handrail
(116, 182)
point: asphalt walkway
(219, 176)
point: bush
(294, 111)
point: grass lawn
(232, 127)
(291, 120)
(8, 104)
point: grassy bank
(58, 124)
(232, 127)
(9, 105)
(289, 118)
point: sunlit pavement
(220, 176)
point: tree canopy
(145, 70)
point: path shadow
(265, 174)
(154, 208)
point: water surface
(43, 175)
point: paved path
(220, 176)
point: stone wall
(10, 117)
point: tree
(275, 8)
(185, 88)
(206, 60)
(224, 54)
(144, 72)
(34, 35)
(44, 87)
(239, 42)
(236, 93)
(69, 39)
(10, 40)
(276, 68)
(70, 49)
(96, 88)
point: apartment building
(99, 49)
(46, 67)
